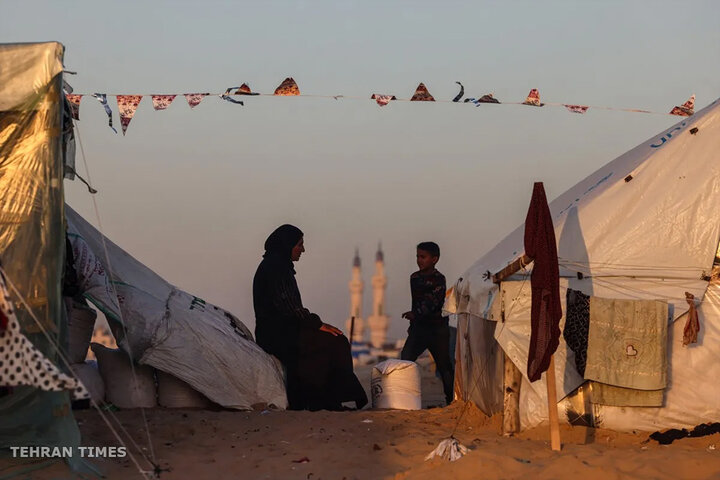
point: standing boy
(428, 328)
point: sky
(194, 193)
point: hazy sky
(194, 193)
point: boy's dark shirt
(428, 296)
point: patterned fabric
(577, 324)
(382, 100)
(686, 109)
(488, 98)
(102, 98)
(577, 108)
(161, 102)
(244, 89)
(533, 98)
(422, 94)
(604, 394)
(692, 326)
(287, 88)
(127, 104)
(627, 343)
(194, 99)
(428, 297)
(226, 96)
(74, 104)
(22, 364)
(460, 94)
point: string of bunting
(128, 104)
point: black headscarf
(281, 242)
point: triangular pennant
(102, 98)
(287, 88)
(487, 98)
(127, 104)
(422, 94)
(577, 108)
(161, 102)
(244, 89)
(74, 104)
(382, 100)
(686, 109)
(23, 364)
(194, 99)
(533, 98)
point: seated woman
(316, 355)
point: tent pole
(352, 328)
(552, 406)
(512, 379)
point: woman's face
(297, 250)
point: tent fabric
(171, 330)
(642, 227)
(32, 243)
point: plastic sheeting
(31, 229)
(171, 330)
(644, 226)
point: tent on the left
(32, 249)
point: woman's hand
(330, 329)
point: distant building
(356, 291)
(378, 322)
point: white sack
(123, 388)
(396, 384)
(174, 393)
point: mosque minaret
(378, 321)
(356, 291)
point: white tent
(644, 226)
(172, 330)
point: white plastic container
(396, 384)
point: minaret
(356, 290)
(378, 321)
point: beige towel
(627, 343)
(604, 394)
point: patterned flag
(287, 88)
(577, 108)
(686, 109)
(422, 94)
(244, 89)
(127, 104)
(194, 99)
(161, 102)
(102, 98)
(533, 98)
(226, 95)
(23, 364)
(460, 94)
(74, 104)
(382, 100)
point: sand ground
(368, 444)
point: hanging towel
(627, 343)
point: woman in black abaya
(316, 355)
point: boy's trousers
(436, 339)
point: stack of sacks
(174, 393)
(122, 388)
(81, 323)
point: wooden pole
(512, 380)
(552, 406)
(352, 328)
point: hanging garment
(382, 100)
(287, 88)
(577, 323)
(692, 326)
(422, 94)
(627, 343)
(546, 310)
(686, 109)
(604, 394)
(161, 102)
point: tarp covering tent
(171, 330)
(644, 226)
(32, 237)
